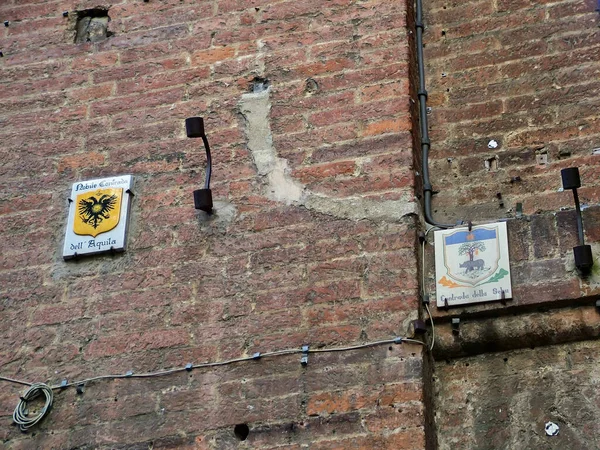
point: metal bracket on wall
(519, 213)
(419, 327)
(582, 253)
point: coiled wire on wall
(21, 414)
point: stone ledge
(534, 329)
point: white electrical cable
(21, 414)
(423, 284)
(397, 340)
(432, 328)
(10, 380)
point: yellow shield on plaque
(97, 212)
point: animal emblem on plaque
(472, 265)
(471, 256)
(98, 211)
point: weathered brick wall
(312, 240)
(523, 74)
(504, 400)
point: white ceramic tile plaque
(98, 216)
(472, 266)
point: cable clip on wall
(304, 357)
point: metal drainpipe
(425, 143)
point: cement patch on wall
(282, 187)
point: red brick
(388, 126)
(306, 174)
(131, 343)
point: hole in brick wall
(259, 84)
(92, 25)
(562, 154)
(443, 32)
(312, 86)
(491, 164)
(241, 431)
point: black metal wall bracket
(419, 327)
(582, 252)
(194, 127)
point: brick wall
(525, 75)
(504, 400)
(312, 240)
(521, 73)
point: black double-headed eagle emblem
(93, 211)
